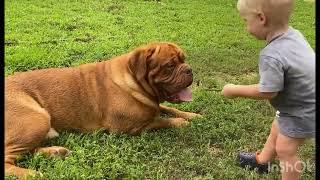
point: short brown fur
(118, 95)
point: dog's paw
(190, 115)
(33, 174)
(54, 151)
(195, 115)
(52, 134)
(179, 122)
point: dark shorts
(295, 127)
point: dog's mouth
(185, 95)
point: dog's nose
(189, 71)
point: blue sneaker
(247, 159)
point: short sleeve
(271, 73)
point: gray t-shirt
(287, 66)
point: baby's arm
(271, 72)
(249, 91)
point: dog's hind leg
(26, 126)
(22, 173)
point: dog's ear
(182, 55)
(139, 61)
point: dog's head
(160, 68)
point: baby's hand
(228, 91)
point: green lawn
(50, 33)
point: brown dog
(118, 95)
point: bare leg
(287, 151)
(269, 150)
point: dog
(120, 95)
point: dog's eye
(170, 66)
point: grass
(49, 33)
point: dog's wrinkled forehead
(169, 51)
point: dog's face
(160, 68)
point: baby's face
(255, 24)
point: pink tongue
(185, 95)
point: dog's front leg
(166, 122)
(177, 113)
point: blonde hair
(277, 12)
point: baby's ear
(262, 18)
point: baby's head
(263, 16)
